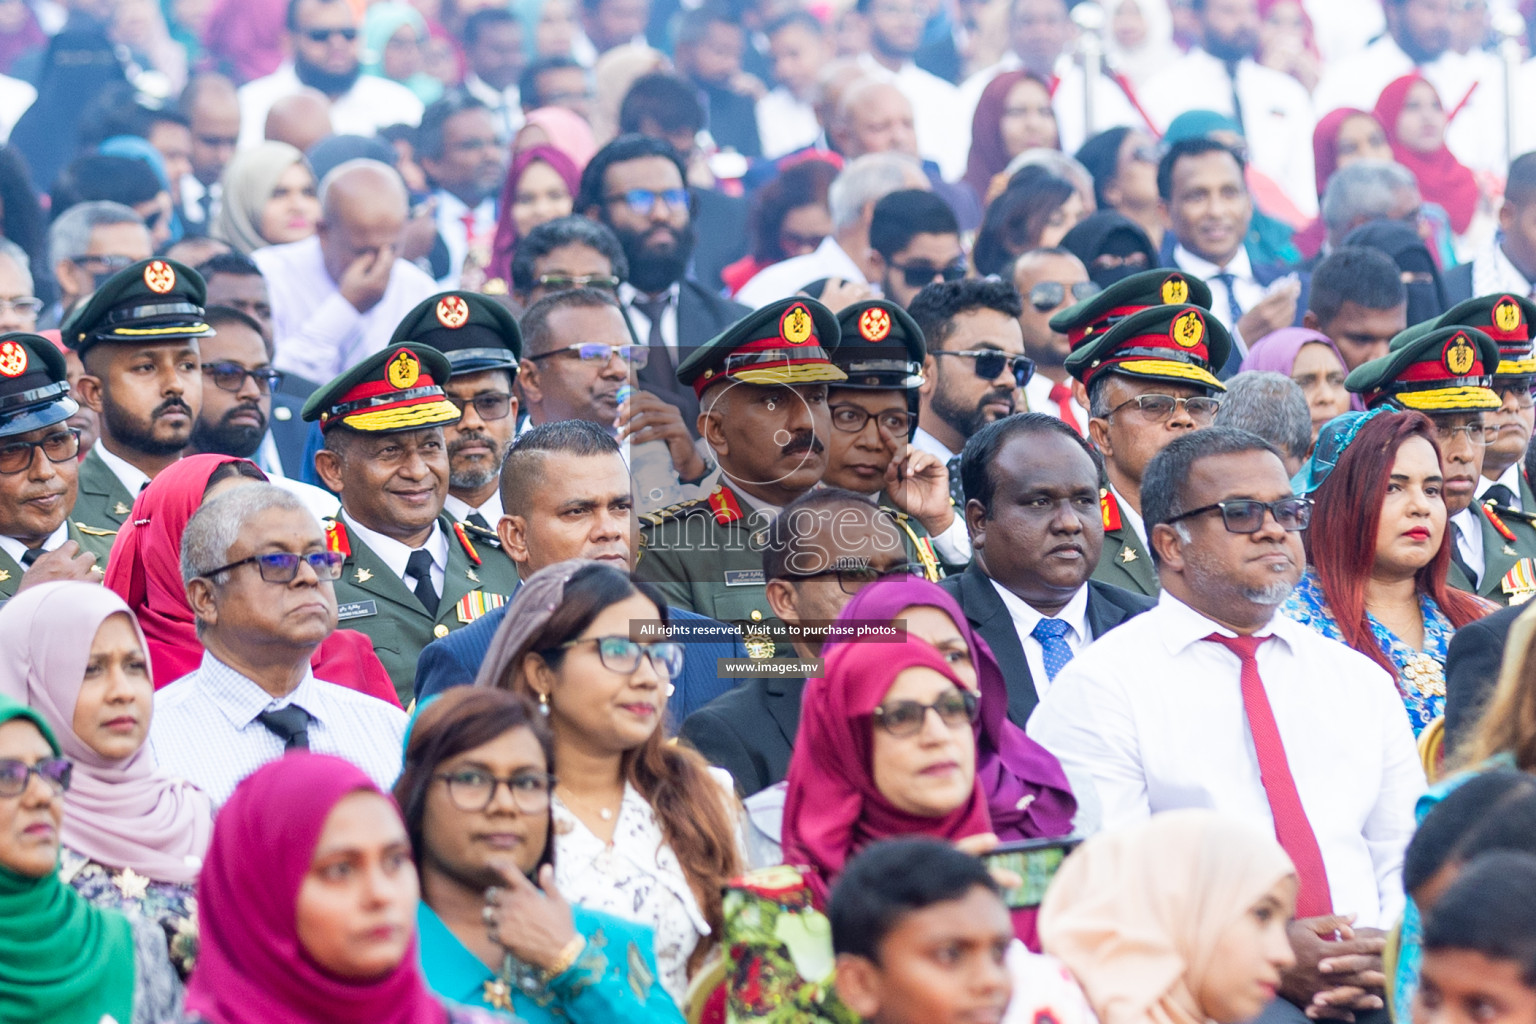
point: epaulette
(483, 535)
(682, 508)
(336, 537)
(1109, 508)
(469, 549)
(93, 531)
(1493, 514)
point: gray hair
(1270, 405)
(70, 233)
(18, 256)
(866, 180)
(1365, 190)
(216, 526)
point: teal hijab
(61, 959)
(379, 27)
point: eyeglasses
(1157, 408)
(990, 363)
(621, 654)
(1522, 395)
(231, 377)
(108, 264)
(643, 200)
(955, 707)
(915, 275)
(1144, 154)
(1246, 515)
(1047, 295)
(851, 419)
(324, 35)
(1477, 434)
(853, 578)
(54, 771)
(493, 405)
(25, 304)
(597, 352)
(565, 282)
(283, 566)
(60, 446)
(471, 789)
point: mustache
(804, 441)
(466, 439)
(170, 405)
(243, 407)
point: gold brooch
(1426, 674)
(131, 884)
(1127, 555)
(363, 576)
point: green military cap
(1127, 296)
(784, 342)
(880, 346)
(1431, 369)
(34, 386)
(396, 388)
(1507, 320)
(152, 301)
(1178, 343)
(474, 331)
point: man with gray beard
(1212, 699)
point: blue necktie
(1051, 633)
(1229, 282)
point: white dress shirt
(192, 193)
(462, 510)
(205, 728)
(1025, 619)
(1131, 517)
(1246, 290)
(782, 279)
(1037, 392)
(15, 548)
(395, 554)
(629, 295)
(784, 124)
(1156, 717)
(926, 442)
(1111, 107)
(941, 136)
(1469, 538)
(450, 225)
(505, 105)
(1510, 478)
(1493, 272)
(316, 331)
(372, 103)
(132, 477)
(15, 97)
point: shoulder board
(1109, 508)
(93, 531)
(682, 508)
(479, 532)
(1496, 522)
(469, 549)
(336, 537)
(895, 513)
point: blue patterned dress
(1420, 674)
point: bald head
(212, 109)
(301, 120)
(874, 117)
(363, 206)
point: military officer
(412, 573)
(1104, 309)
(1148, 378)
(137, 338)
(762, 387)
(39, 472)
(480, 338)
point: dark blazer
(720, 225)
(1108, 607)
(1472, 669)
(454, 660)
(290, 433)
(1265, 274)
(750, 732)
(700, 316)
(1457, 284)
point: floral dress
(171, 905)
(1420, 674)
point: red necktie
(1061, 394)
(469, 228)
(1291, 826)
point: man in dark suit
(566, 494)
(1510, 265)
(819, 551)
(1472, 670)
(1032, 508)
(637, 187)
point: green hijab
(61, 959)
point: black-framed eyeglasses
(493, 405)
(472, 789)
(621, 654)
(642, 201)
(955, 707)
(1478, 435)
(1201, 408)
(29, 304)
(231, 377)
(598, 352)
(283, 566)
(60, 446)
(108, 264)
(853, 578)
(915, 275)
(324, 35)
(565, 282)
(1047, 295)
(54, 771)
(989, 364)
(1246, 515)
(1521, 393)
(851, 419)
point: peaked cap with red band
(1507, 320)
(1433, 370)
(1179, 344)
(1097, 313)
(396, 388)
(784, 342)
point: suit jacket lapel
(456, 580)
(98, 480)
(990, 616)
(784, 705)
(366, 571)
(10, 576)
(1499, 556)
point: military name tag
(744, 577)
(356, 610)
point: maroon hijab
(989, 155)
(506, 228)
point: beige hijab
(1137, 914)
(248, 181)
(532, 605)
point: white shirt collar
(1025, 617)
(461, 510)
(926, 442)
(1510, 478)
(1131, 516)
(395, 554)
(1238, 266)
(629, 295)
(15, 548)
(1183, 625)
(755, 504)
(133, 478)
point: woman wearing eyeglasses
(644, 830)
(133, 837)
(494, 929)
(1378, 550)
(63, 960)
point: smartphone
(1033, 860)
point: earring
(544, 704)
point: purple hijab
(1276, 352)
(1028, 796)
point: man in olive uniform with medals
(411, 574)
(762, 387)
(39, 472)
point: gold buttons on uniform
(439, 631)
(757, 616)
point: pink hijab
(506, 241)
(122, 814)
(568, 132)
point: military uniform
(97, 542)
(1099, 312)
(392, 391)
(1124, 561)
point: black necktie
(206, 202)
(1237, 100)
(654, 309)
(29, 556)
(1499, 495)
(476, 519)
(1229, 282)
(1461, 563)
(956, 491)
(289, 724)
(419, 568)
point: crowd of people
(894, 511)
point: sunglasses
(989, 364)
(54, 771)
(597, 352)
(324, 35)
(1246, 515)
(915, 275)
(283, 566)
(1047, 295)
(643, 200)
(955, 707)
(231, 377)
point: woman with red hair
(1378, 553)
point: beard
(224, 438)
(139, 435)
(476, 474)
(966, 420)
(331, 83)
(654, 268)
(1233, 48)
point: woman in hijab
(63, 960)
(540, 187)
(393, 37)
(1314, 362)
(1342, 137)
(1013, 114)
(80, 65)
(133, 837)
(1410, 110)
(1179, 919)
(145, 570)
(269, 198)
(1140, 38)
(1111, 246)
(1421, 276)
(309, 906)
(132, 147)
(564, 129)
